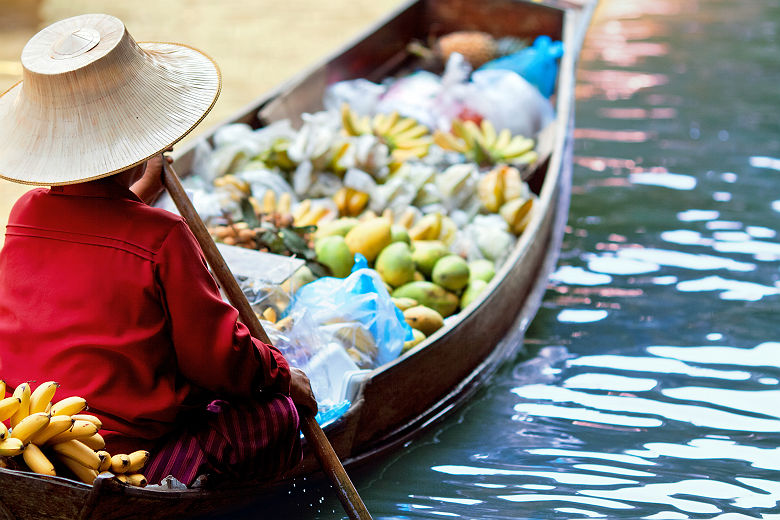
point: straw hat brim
(146, 110)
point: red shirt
(113, 299)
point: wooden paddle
(328, 459)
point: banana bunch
(485, 146)
(350, 202)
(237, 189)
(500, 185)
(308, 214)
(43, 431)
(405, 136)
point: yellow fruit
(69, 406)
(56, 426)
(83, 473)
(451, 272)
(42, 396)
(403, 303)
(334, 252)
(490, 190)
(29, 426)
(79, 430)
(9, 406)
(136, 479)
(87, 417)
(95, 442)
(79, 452)
(472, 291)
(37, 461)
(356, 202)
(424, 319)
(105, 461)
(419, 337)
(2, 389)
(119, 463)
(22, 393)
(395, 265)
(3, 431)
(369, 237)
(430, 295)
(11, 447)
(514, 187)
(427, 228)
(138, 460)
(517, 213)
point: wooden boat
(402, 398)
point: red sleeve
(214, 350)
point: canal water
(648, 384)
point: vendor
(111, 297)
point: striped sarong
(235, 440)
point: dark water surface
(651, 389)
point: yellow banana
(11, 447)
(119, 463)
(42, 396)
(412, 134)
(312, 217)
(2, 389)
(135, 479)
(448, 141)
(138, 460)
(269, 201)
(37, 461)
(283, 205)
(301, 209)
(57, 425)
(79, 452)
(95, 442)
(490, 190)
(3, 431)
(9, 406)
(404, 154)
(387, 122)
(517, 213)
(410, 144)
(87, 417)
(105, 461)
(69, 406)
(407, 218)
(489, 136)
(514, 188)
(22, 392)
(83, 473)
(503, 140)
(29, 426)
(356, 202)
(427, 228)
(79, 430)
(517, 146)
(401, 126)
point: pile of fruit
(435, 211)
(58, 438)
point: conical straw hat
(92, 102)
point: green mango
(472, 291)
(334, 252)
(426, 253)
(399, 233)
(394, 264)
(481, 269)
(339, 227)
(451, 272)
(429, 294)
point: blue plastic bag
(360, 299)
(538, 64)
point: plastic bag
(538, 64)
(358, 313)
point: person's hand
(300, 391)
(150, 185)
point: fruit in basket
(427, 228)
(340, 226)
(426, 253)
(451, 272)
(419, 337)
(429, 294)
(424, 319)
(334, 252)
(350, 202)
(472, 291)
(481, 269)
(395, 265)
(404, 136)
(398, 233)
(403, 303)
(369, 237)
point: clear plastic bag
(356, 312)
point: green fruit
(418, 338)
(339, 227)
(430, 295)
(404, 303)
(473, 290)
(423, 319)
(394, 264)
(481, 269)
(399, 233)
(426, 253)
(369, 237)
(300, 278)
(451, 272)
(334, 252)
